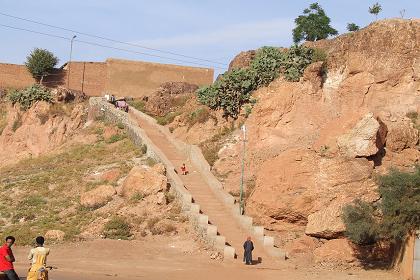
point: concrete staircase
(222, 216)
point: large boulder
(242, 60)
(326, 223)
(143, 180)
(338, 251)
(362, 140)
(98, 196)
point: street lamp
(241, 192)
(69, 63)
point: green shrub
(319, 55)
(413, 115)
(400, 204)
(295, 62)
(135, 198)
(143, 149)
(115, 138)
(230, 92)
(399, 210)
(266, 65)
(168, 118)
(360, 224)
(3, 118)
(169, 197)
(26, 97)
(117, 228)
(120, 125)
(137, 104)
(201, 115)
(150, 161)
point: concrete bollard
(268, 241)
(203, 219)
(258, 232)
(229, 253)
(211, 230)
(277, 253)
(235, 211)
(245, 221)
(219, 241)
(195, 208)
(229, 200)
(187, 198)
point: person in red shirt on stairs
(7, 259)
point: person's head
(248, 238)
(10, 240)
(40, 240)
(183, 164)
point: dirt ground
(168, 258)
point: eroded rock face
(97, 197)
(143, 180)
(37, 130)
(299, 183)
(402, 135)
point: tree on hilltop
(313, 25)
(375, 9)
(40, 62)
(352, 27)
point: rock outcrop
(97, 197)
(145, 181)
(38, 130)
(169, 96)
(316, 145)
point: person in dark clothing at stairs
(248, 247)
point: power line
(108, 47)
(112, 40)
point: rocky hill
(316, 145)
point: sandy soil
(168, 258)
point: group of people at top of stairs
(120, 103)
(37, 257)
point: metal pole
(241, 193)
(69, 63)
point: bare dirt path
(163, 259)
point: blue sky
(213, 30)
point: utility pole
(241, 192)
(69, 63)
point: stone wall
(14, 76)
(115, 76)
(138, 79)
